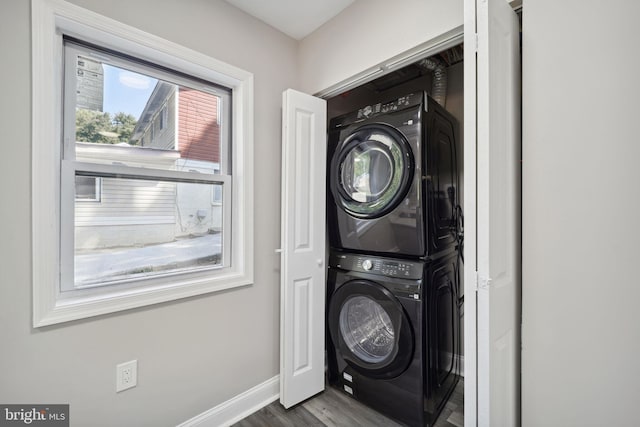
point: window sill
(58, 309)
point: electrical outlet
(126, 375)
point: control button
(367, 264)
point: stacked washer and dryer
(392, 292)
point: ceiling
(295, 18)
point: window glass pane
(146, 228)
(129, 117)
(87, 188)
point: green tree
(90, 124)
(123, 125)
(101, 128)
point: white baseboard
(238, 407)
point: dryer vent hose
(439, 85)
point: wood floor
(333, 408)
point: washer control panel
(377, 265)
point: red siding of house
(198, 127)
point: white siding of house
(130, 212)
(163, 138)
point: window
(159, 220)
(166, 194)
(164, 117)
(87, 189)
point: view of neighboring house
(117, 212)
(178, 129)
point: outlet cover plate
(126, 375)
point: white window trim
(51, 19)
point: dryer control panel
(387, 267)
(395, 105)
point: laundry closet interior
(395, 299)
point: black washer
(371, 329)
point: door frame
(428, 48)
(431, 47)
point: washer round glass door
(371, 329)
(372, 170)
(367, 329)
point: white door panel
(498, 214)
(303, 247)
(470, 269)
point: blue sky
(126, 91)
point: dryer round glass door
(370, 329)
(371, 171)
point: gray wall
(193, 354)
(581, 149)
(369, 32)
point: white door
(302, 289)
(492, 261)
